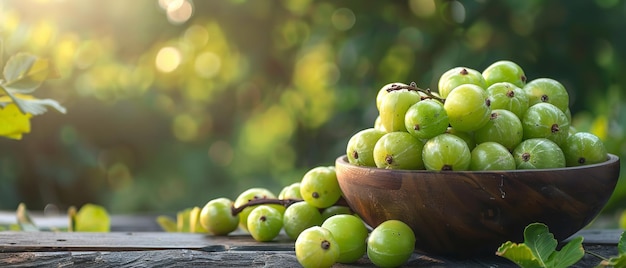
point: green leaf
(540, 241)
(570, 254)
(539, 249)
(520, 254)
(92, 218)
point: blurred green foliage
(172, 103)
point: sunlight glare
(168, 59)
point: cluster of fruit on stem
(276, 201)
(413, 87)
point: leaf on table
(13, 123)
(569, 254)
(539, 249)
(24, 220)
(540, 241)
(520, 254)
(92, 218)
(167, 224)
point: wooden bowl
(469, 213)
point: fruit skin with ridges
(393, 109)
(446, 152)
(544, 120)
(459, 76)
(264, 223)
(217, 217)
(300, 216)
(319, 187)
(468, 107)
(504, 71)
(426, 119)
(584, 148)
(360, 149)
(538, 153)
(547, 90)
(390, 244)
(398, 150)
(350, 233)
(316, 248)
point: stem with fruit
(413, 87)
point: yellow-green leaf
(520, 254)
(92, 218)
(13, 123)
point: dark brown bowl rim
(343, 159)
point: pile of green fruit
(310, 212)
(494, 120)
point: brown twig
(276, 201)
(413, 87)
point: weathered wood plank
(145, 249)
(118, 241)
(123, 241)
(196, 258)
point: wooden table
(148, 247)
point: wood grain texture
(470, 213)
(43, 249)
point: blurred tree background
(172, 103)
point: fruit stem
(413, 86)
(276, 201)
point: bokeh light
(168, 59)
(171, 102)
